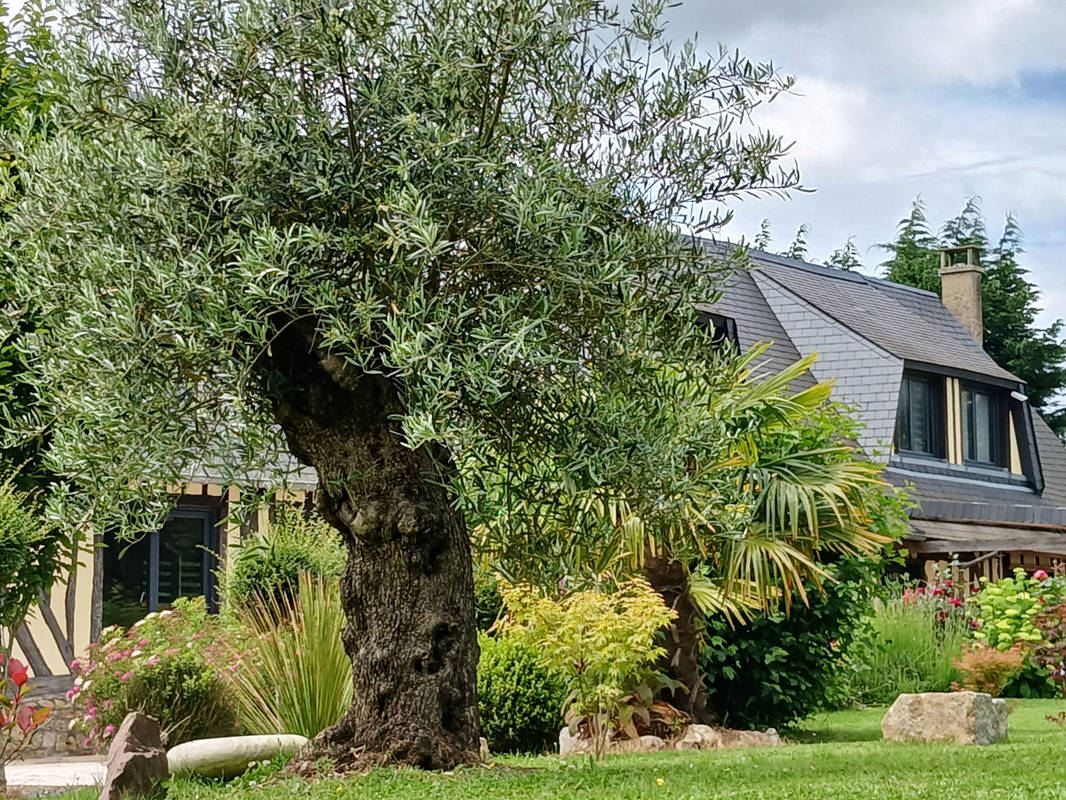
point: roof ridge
(817, 269)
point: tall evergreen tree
(798, 248)
(1012, 337)
(914, 258)
(846, 257)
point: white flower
(85, 686)
(164, 613)
(135, 653)
(78, 681)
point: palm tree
(762, 490)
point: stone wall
(55, 737)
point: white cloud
(930, 97)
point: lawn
(834, 756)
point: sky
(940, 98)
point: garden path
(44, 774)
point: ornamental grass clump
(286, 666)
(602, 644)
(911, 646)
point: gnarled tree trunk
(407, 589)
(669, 578)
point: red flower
(1040, 575)
(937, 592)
(19, 673)
(956, 601)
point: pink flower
(1040, 575)
(126, 677)
(152, 661)
(75, 664)
(142, 642)
(108, 730)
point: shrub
(986, 669)
(285, 664)
(1007, 610)
(520, 701)
(30, 553)
(159, 666)
(909, 645)
(19, 720)
(779, 668)
(488, 602)
(268, 564)
(1049, 655)
(602, 644)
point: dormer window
(920, 415)
(723, 329)
(983, 425)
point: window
(152, 572)
(724, 329)
(982, 425)
(919, 418)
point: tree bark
(407, 589)
(669, 578)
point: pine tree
(763, 238)
(846, 257)
(914, 258)
(1036, 355)
(798, 248)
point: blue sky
(942, 98)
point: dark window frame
(724, 328)
(935, 428)
(999, 444)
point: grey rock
(136, 761)
(959, 717)
(699, 737)
(230, 756)
(704, 737)
(573, 745)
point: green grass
(835, 757)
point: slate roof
(743, 302)
(913, 325)
(909, 323)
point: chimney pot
(960, 288)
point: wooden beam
(214, 490)
(194, 489)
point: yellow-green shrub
(603, 644)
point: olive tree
(376, 236)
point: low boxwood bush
(267, 565)
(519, 701)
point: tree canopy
(379, 236)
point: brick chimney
(960, 288)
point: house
(987, 475)
(118, 583)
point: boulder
(574, 745)
(699, 737)
(959, 717)
(136, 760)
(704, 737)
(230, 756)
(731, 738)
